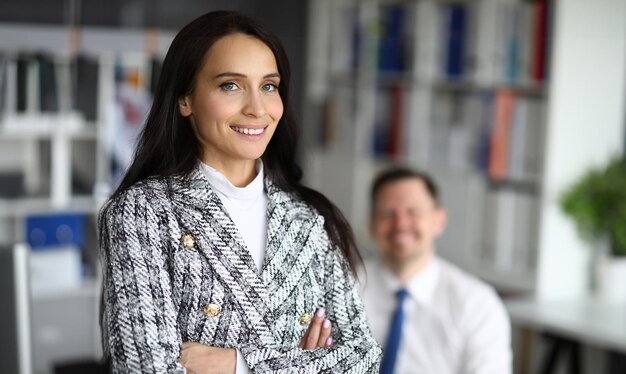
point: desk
(586, 321)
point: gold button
(211, 310)
(189, 241)
(305, 318)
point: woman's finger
(325, 334)
(311, 337)
(304, 338)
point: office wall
(586, 128)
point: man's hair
(400, 173)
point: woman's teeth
(246, 131)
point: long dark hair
(167, 145)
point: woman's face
(235, 105)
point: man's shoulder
(466, 288)
(369, 276)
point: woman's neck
(240, 172)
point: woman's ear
(183, 106)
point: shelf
(11, 208)
(89, 288)
(95, 40)
(405, 78)
(465, 87)
(525, 186)
(45, 126)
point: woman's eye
(228, 86)
(270, 87)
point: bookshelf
(65, 133)
(476, 93)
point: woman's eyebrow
(239, 75)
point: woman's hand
(318, 333)
(203, 359)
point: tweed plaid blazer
(176, 269)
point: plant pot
(613, 280)
(607, 274)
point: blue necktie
(395, 333)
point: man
(429, 316)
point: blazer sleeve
(139, 325)
(354, 350)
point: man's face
(406, 221)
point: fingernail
(320, 312)
(329, 341)
(326, 324)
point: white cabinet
(65, 327)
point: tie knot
(402, 294)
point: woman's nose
(254, 107)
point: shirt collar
(422, 286)
(221, 184)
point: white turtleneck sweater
(247, 207)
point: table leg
(556, 346)
(526, 354)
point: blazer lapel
(203, 215)
(293, 232)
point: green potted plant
(597, 204)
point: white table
(586, 321)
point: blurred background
(507, 103)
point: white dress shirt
(247, 207)
(453, 324)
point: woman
(216, 258)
